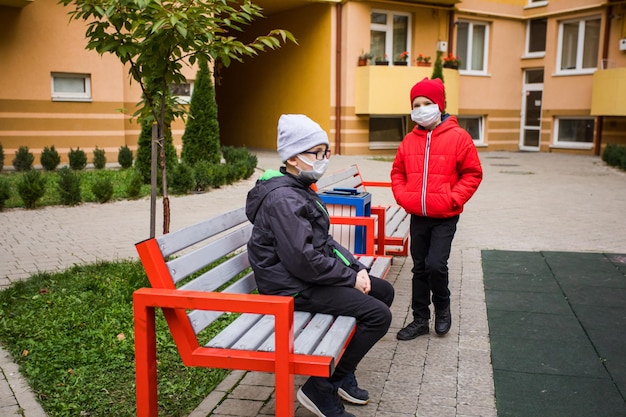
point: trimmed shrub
(133, 190)
(5, 191)
(437, 68)
(240, 156)
(69, 187)
(218, 174)
(50, 158)
(78, 159)
(1, 158)
(125, 157)
(99, 158)
(102, 189)
(31, 187)
(202, 175)
(180, 179)
(23, 159)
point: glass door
(532, 95)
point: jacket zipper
(425, 174)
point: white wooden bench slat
(200, 319)
(187, 264)
(227, 337)
(336, 337)
(380, 266)
(219, 275)
(176, 241)
(300, 319)
(257, 335)
(330, 181)
(313, 333)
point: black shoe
(319, 396)
(443, 321)
(349, 391)
(417, 328)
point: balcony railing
(385, 89)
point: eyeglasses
(319, 155)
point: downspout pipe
(605, 54)
(338, 68)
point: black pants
(370, 310)
(431, 241)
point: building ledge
(608, 97)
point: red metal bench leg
(145, 361)
(284, 367)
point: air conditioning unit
(622, 44)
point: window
(537, 3)
(474, 126)
(386, 132)
(471, 46)
(70, 87)
(579, 43)
(536, 37)
(389, 34)
(182, 91)
(574, 132)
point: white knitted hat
(296, 134)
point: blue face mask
(319, 168)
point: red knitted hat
(431, 89)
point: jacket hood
(268, 182)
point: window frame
(69, 95)
(403, 129)
(184, 99)
(388, 30)
(538, 54)
(481, 126)
(580, 42)
(538, 3)
(572, 145)
(465, 63)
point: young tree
(201, 140)
(155, 38)
(438, 68)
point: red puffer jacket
(436, 172)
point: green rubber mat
(557, 324)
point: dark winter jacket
(290, 249)
(436, 172)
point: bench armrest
(367, 222)
(386, 184)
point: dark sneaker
(443, 321)
(319, 396)
(349, 391)
(416, 328)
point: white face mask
(426, 116)
(319, 168)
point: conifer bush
(144, 153)
(1, 158)
(102, 189)
(99, 158)
(201, 175)
(180, 179)
(125, 157)
(69, 187)
(133, 190)
(201, 140)
(23, 159)
(78, 159)
(50, 158)
(5, 191)
(31, 187)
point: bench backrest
(346, 178)
(186, 258)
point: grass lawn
(72, 335)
